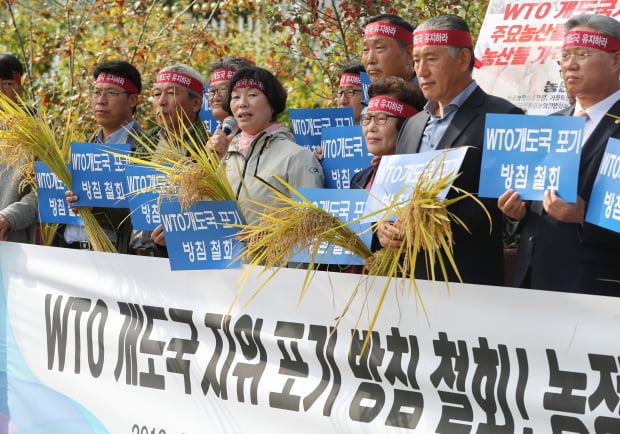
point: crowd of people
(428, 70)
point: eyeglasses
(349, 93)
(108, 94)
(220, 92)
(380, 118)
(579, 56)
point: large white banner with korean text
(96, 342)
(519, 46)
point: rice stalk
(26, 136)
(426, 230)
(194, 173)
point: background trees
(303, 42)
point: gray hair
(187, 70)
(601, 23)
(449, 22)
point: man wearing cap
(114, 100)
(454, 116)
(387, 48)
(558, 249)
(177, 99)
(18, 206)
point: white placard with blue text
(397, 176)
(203, 236)
(347, 205)
(53, 206)
(531, 154)
(604, 204)
(143, 185)
(344, 154)
(308, 124)
(98, 176)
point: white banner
(519, 46)
(100, 342)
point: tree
(303, 42)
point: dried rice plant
(194, 172)
(425, 222)
(26, 136)
(288, 225)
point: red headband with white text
(382, 28)
(349, 79)
(579, 38)
(124, 82)
(222, 74)
(181, 79)
(249, 82)
(448, 38)
(391, 105)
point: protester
(264, 149)
(386, 52)
(381, 124)
(558, 249)
(18, 205)
(454, 116)
(177, 99)
(387, 48)
(350, 93)
(221, 73)
(114, 100)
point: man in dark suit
(558, 250)
(453, 117)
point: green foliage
(303, 42)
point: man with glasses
(454, 116)
(114, 99)
(349, 93)
(558, 249)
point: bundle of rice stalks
(194, 172)
(287, 226)
(26, 136)
(426, 232)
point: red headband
(391, 105)
(249, 82)
(181, 79)
(124, 82)
(222, 74)
(579, 38)
(382, 28)
(449, 38)
(17, 76)
(348, 79)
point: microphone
(229, 124)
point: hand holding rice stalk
(194, 172)
(26, 136)
(287, 225)
(425, 221)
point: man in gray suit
(558, 250)
(453, 117)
